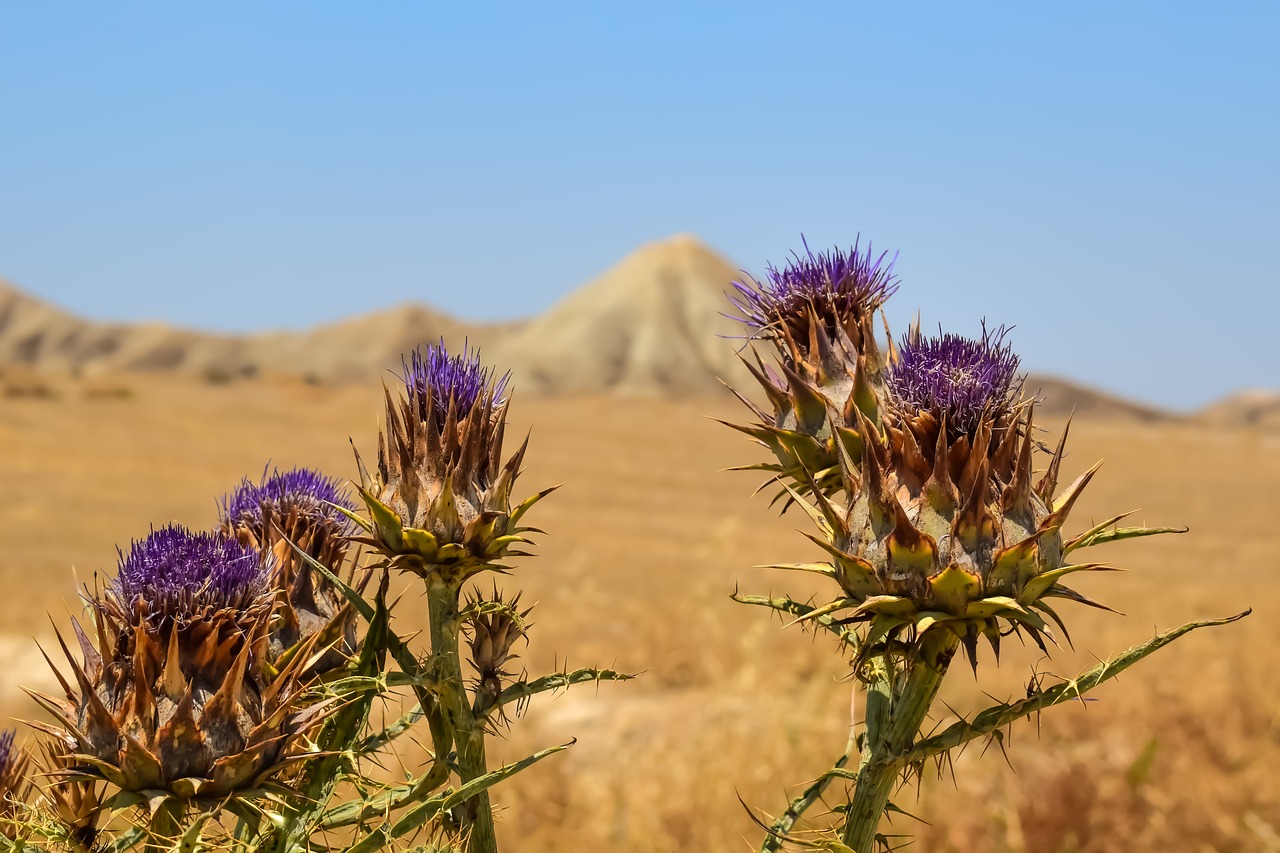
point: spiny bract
(173, 694)
(440, 499)
(284, 513)
(819, 313)
(943, 524)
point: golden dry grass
(646, 540)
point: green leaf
(777, 833)
(999, 716)
(127, 840)
(1102, 536)
(522, 690)
(357, 600)
(795, 608)
(373, 743)
(417, 817)
(322, 774)
(359, 811)
(191, 840)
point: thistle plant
(174, 702)
(918, 470)
(222, 696)
(440, 508)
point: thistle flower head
(958, 379)
(312, 495)
(14, 783)
(440, 497)
(176, 575)
(839, 288)
(7, 752)
(433, 377)
(13, 763)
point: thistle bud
(494, 625)
(172, 693)
(77, 800)
(440, 499)
(944, 528)
(818, 312)
(299, 509)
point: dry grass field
(646, 540)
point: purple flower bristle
(178, 574)
(312, 494)
(432, 373)
(7, 752)
(956, 378)
(837, 284)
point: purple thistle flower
(309, 492)
(7, 752)
(838, 286)
(178, 574)
(956, 378)
(432, 373)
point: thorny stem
(446, 624)
(895, 710)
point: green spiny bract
(440, 499)
(173, 693)
(944, 527)
(819, 314)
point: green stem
(895, 710)
(468, 730)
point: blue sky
(1103, 176)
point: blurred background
(222, 226)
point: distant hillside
(1062, 397)
(35, 333)
(1256, 408)
(650, 325)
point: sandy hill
(33, 332)
(651, 324)
(1061, 397)
(1253, 408)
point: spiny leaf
(523, 690)
(798, 609)
(415, 818)
(999, 716)
(1102, 536)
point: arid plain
(646, 540)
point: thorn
(1068, 500)
(1049, 482)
